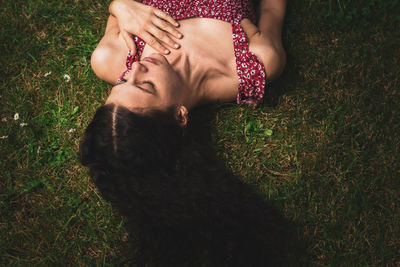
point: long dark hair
(186, 208)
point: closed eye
(152, 87)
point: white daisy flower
(23, 124)
(47, 74)
(16, 116)
(4, 137)
(67, 78)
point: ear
(181, 115)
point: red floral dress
(250, 69)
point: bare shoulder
(108, 59)
(267, 48)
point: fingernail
(176, 45)
(166, 51)
(177, 24)
(180, 35)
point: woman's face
(152, 83)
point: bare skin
(194, 73)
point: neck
(194, 76)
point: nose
(137, 70)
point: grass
(325, 148)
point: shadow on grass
(220, 220)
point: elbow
(280, 63)
(101, 60)
(275, 62)
(98, 61)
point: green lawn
(325, 147)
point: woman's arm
(265, 38)
(272, 13)
(110, 52)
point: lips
(151, 60)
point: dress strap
(250, 69)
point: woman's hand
(152, 25)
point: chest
(210, 44)
(209, 40)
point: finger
(164, 37)
(165, 16)
(130, 42)
(153, 42)
(165, 26)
